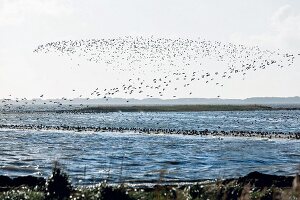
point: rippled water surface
(94, 156)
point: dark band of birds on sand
(248, 134)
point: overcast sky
(24, 24)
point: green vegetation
(253, 186)
(22, 193)
(173, 108)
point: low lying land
(252, 186)
(94, 108)
(177, 108)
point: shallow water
(92, 157)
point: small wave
(24, 169)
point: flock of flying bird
(159, 66)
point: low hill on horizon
(156, 101)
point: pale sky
(25, 24)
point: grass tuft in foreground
(58, 185)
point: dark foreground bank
(252, 186)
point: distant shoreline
(178, 108)
(88, 108)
